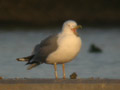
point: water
(20, 43)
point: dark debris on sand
(95, 49)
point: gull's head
(71, 26)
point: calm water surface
(20, 43)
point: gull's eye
(69, 25)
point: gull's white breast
(68, 48)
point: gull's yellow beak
(78, 27)
(75, 29)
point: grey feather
(42, 50)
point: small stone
(1, 78)
(73, 76)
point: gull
(56, 49)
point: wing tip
(21, 59)
(32, 66)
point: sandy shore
(53, 84)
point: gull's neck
(66, 30)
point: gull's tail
(25, 58)
(32, 65)
(28, 59)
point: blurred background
(51, 12)
(24, 23)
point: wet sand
(53, 84)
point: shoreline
(60, 84)
(59, 81)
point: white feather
(68, 45)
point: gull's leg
(63, 66)
(55, 67)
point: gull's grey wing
(42, 50)
(36, 49)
